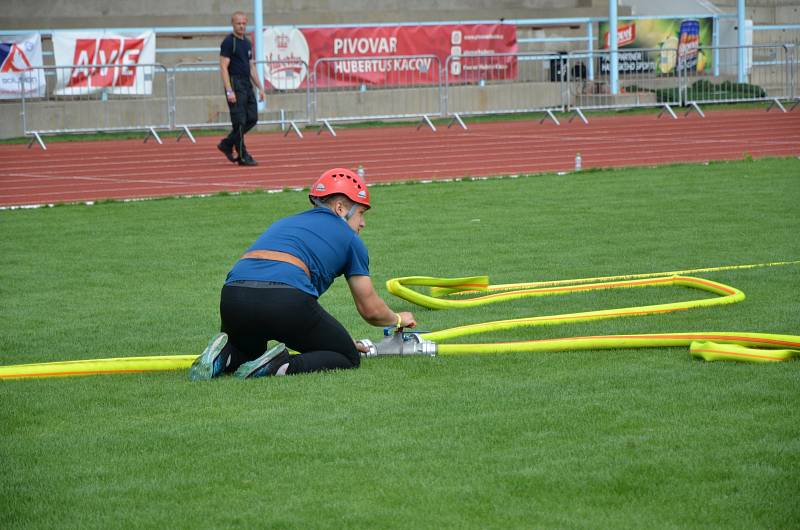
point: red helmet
(341, 180)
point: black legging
(244, 113)
(253, 316)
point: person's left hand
(407, 319)
(261, 95)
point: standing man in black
(238, 69)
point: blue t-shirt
(320, 238)
(240, 52)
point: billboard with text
(376, 55)
(677, 44)
(91, 62)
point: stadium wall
(149, 13)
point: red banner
(383, 55)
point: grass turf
(622, 438)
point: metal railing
(80, 99)
(768, 72)
(503, 83)
(647, 78)
(585, 26)
(198, 96)
(376, 88)
(794, 73)
(95, 98)
(288, 94)
(788, 33)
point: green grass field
(647, 438)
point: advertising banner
(17, 56)
(377, 55)
(679, 44)
(84, 58)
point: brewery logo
(286, 55)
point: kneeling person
(271, 292)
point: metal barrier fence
(769, 76)
(198, 99)
(647, 78)
(94, 98)
(288, 94)
(77, 99)
(503, 83)
(376, 88)
(794, 72)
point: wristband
(399, 321)
(229, 92)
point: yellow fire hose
(119, 365)
(739, 346)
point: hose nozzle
(400, 343)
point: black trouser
(244, 113)
(253, 316)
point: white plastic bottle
(578, 162)
(360, 171)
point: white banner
(17, 56)
(85, 59)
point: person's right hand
(407, 319)
(231, 97)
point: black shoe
(247, 160)
(227, 151)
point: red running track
(87, 171)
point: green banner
(679, 44)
